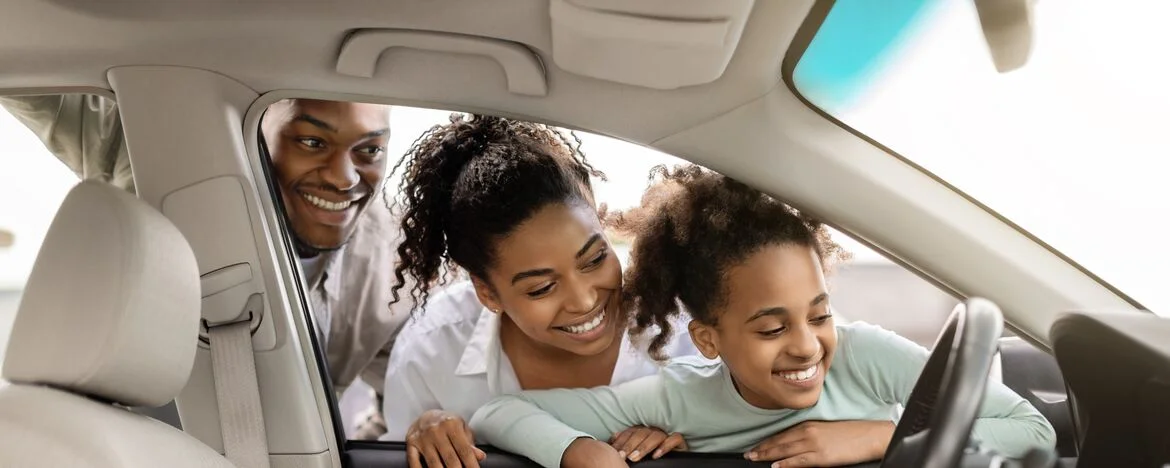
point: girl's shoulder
(864, 345)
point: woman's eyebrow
(589, 243)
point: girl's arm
(542, 424)
(891, 364)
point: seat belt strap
(241, 419)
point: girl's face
(774, 331)
(558, 281)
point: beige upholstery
(109, 319)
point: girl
(750, 271)
(511, 203)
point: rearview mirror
(1007, 29)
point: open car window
(1069, 146)
(867, 288)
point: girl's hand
(825, 443)
(442, 439)
(638, 441)
(589, 453)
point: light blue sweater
(871, 377)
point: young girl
(750, 271)
(511, 203)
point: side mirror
(1007, 28)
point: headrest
(111, 308)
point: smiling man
(329, 162)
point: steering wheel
(936, 424)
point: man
(329, 160)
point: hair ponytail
(471, 181)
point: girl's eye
(773, 332)
(596, 260)
(314, 143)
(821, 320)
(540, 292)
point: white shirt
(450, 358)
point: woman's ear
(705, 339)
(486, 296)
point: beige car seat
(109, 319)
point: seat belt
(241, 419)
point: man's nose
(340, 172)
(803, 343)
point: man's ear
(486, 295)
(705, 338)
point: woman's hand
(635, 442)
(442, 439)
(590, 453)
(825, 443)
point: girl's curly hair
(692, 226)
(472, 181)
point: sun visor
(661, 44)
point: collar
(484, 345)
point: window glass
(35, 180)
(1070, 147)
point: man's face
(329, 159)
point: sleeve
(407, 393)
(84, 131)
(542, 424)
(374, 374)
(891, 364)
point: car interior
(111, 361)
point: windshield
(1069, 147)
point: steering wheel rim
(936, 425)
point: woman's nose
(582, 296)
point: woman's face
(558, 280)
(775, 331)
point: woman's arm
(891, 364)
(406, 395)
(541, 425)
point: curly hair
(692, 226)
(472, 181)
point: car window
(1069, 147)
(868, 288)
(36, 179)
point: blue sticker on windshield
(855, 39)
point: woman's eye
(597, 260)
(821, 320)
(542, 291)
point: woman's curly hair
(470, 182)
(692, 226)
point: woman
(511, 204)
(791, 386)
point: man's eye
(314, 143)
(542, 291)
(373, 150)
